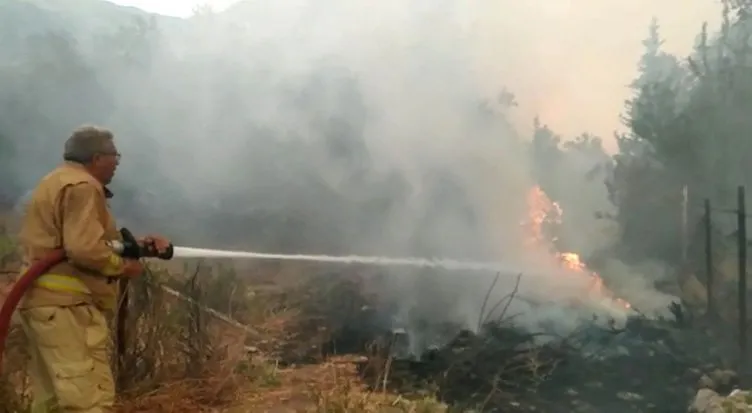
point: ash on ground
(639, 365)
(646, 365)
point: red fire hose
(19, 289)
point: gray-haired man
(63, 314)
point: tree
(546, 156)
(688, 126)
(654, 158)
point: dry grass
(181, 357)
(230, 369)
(330, 387)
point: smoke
(341, 128)
(636, 284)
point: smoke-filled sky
(571, 59)
(362, 127)
(394, 89)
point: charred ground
(647, 365)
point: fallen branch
(481, 318)
(507, 300)
(223, 317)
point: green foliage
(688, 125)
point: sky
(602, 38)
(178, 8)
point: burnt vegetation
(208, 335)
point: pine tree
(643, 187)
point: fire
(543, 211)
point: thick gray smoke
(345, 129)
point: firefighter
(64, 315)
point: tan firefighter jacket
(69, 209)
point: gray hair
(87, 141)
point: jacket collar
(77, 166)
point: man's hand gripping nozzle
(129, 247)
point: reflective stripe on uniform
(61, 282)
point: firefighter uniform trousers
(69, 368)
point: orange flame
(542, 211)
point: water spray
(609, 303)
(448, 264)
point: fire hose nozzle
(129, 248)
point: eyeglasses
(116, 154)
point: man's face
(105, 163)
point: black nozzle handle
(131, 248)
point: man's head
(94, 148)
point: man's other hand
(133, 268)
(160, 243)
